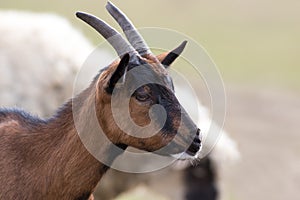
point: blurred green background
(252, 42)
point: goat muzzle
(195, 147)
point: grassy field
(252, 42)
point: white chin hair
(185, 156)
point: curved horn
(167, 61)
(133, 36)
(110, 34)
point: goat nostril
(198, 132)
(197, 140)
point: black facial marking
(119, 73)
(163, 96)
(176, 116)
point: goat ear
(168, 58)
(119, 73)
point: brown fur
(139, 114)
(46, 159)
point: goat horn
(133, 36)
(110, 34)
(167, 61)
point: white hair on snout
(222, 149)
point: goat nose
(196, 144)
(197, 140)
(199, 135)
(194, 147)
(198, 132)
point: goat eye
(142, 96)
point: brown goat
(46, 159)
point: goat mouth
(191, 153)
(177, 150)
(195, 147)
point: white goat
(48, 48)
